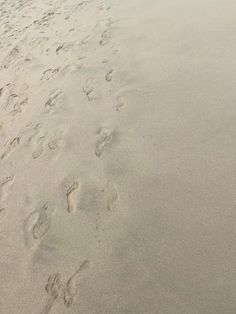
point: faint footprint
(105, 136)
(89, 91)
(113, 196)
(38, 147)
(72, 196)
(4, 185)
(55, 143)
(104, 39)
(49, 74)
(72, 285)
(15, 103)
(53, 99)
(3, 214)
(9, 147)
(120, 103)
(37, 225)
(53, 286)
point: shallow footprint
(49, 74)
(105, 137)
(4, 184)
(53, 286)
(72, 285)
(53, 99)
(37, 224)
(38, 147)
(72, 197)
(3, 214)
(10, 146)
(113, 196)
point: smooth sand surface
(118, 157)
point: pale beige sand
(118, 157)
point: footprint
(105, 137)
(55, 143)
(104, 39)
(15, 103)
(72, 197)
(3, 214)
(53, 286)
(53, 99)
(89, 91)
(113, 196)
(72, 285)
(109, 76)
(120, 103)
(49, 74)
(10, 146)
(4, 185)
(85, 40)
(39, 147)
(37, 225)
(43, 223)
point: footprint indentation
(10, 146)
(53, 99)
(39, 148)
(43, 223)
(37, 225)
(113, 197)
(105, 137)
(72, 196)
(49, 74)
(89, 91)
(3, 213)
(53, 286)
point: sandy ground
(118, 157)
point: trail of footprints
(39, 222)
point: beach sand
(117, 157)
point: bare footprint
(3, 213)
(89, 92)
(55, 143)
(113, 196)
(49, 74)
(53, 99)
(105, 136)
(38, 147)
(9, 147)
(72, 285)
(53, 286)
(43, 223)
(4, 185)
(37, 225)
(72, 196)
(120, 103)
(104, 39)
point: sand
(117, 157)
